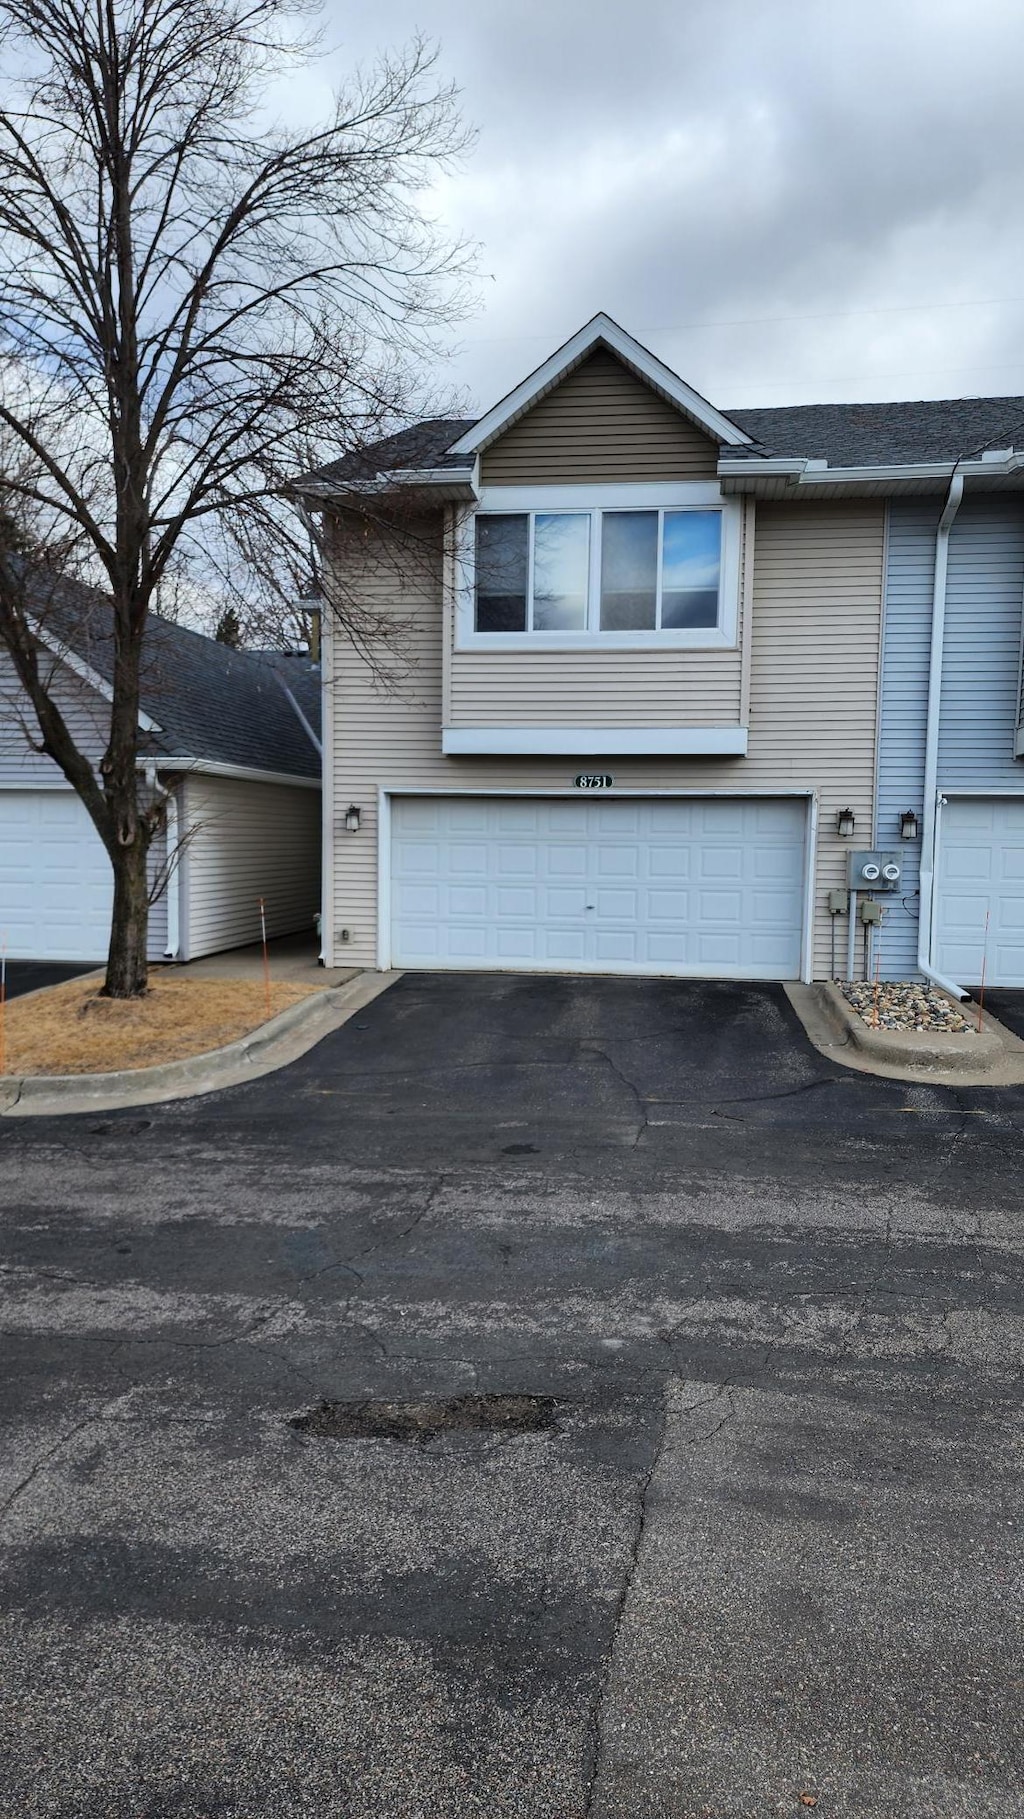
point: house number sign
(593, 780)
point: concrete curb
(271, 1045)
(977, 1051)
(993, 1057)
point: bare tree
(195, 305)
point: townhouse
(668, 689)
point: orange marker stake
(266, 956)
(3, 1005)
(878, 970)
(984, 964)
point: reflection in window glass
(561, 566)
(501, 570)
(629, 571)
(691, 566)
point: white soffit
(601, 331)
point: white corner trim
(85, 672)
(584, 741)
(810, 878)
(206, 767)
(384, 878)
(600, 331)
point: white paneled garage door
(700, 887)
(55, 878)
(981, 868)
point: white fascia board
(812, 473)
(459, 479)
(84, 671)
(601, 331)
(207, 767)
(613, 741)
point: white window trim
(649, 496)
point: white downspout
(170, 835)
(930, 805)
(173, 879)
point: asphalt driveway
(32, 975)
(767, 1546)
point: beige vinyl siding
(601, 423)
(595, 688)
(245, 841)
(816, 591)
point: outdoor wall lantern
(908, 825)
(846, 821)
(352, 819)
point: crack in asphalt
(595, 1726)
(602, 1054)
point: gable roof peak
(600, 331)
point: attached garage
(698, 887)
(56, 885)
(981, 871)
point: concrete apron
(993, 1056)
(270, 1046)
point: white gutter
(926, 919)
(245, 773)
(997, 464)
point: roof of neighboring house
(880, 435)
(844, 435)
(209, 702)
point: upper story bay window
(633, 575)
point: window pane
(501, 572)
(691, 566)
(561, 566)
(629, 571)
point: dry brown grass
(70, 1029)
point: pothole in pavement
(419, 1421)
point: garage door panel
(981, 872)
(693, 887)
(56, 887)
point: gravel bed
(907, 1007)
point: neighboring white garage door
(698, 887)
(981, 867)
(55, 880)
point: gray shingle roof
(210, 702)
(870, 435)
(423, 444)
(844, 435)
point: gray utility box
(874, 871)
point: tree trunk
(127, 969)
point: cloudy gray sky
(788, 200)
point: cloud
(787, 199)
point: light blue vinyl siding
(980, 683)
(981, 660)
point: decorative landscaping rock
(907, 1007)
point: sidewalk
(293, 958)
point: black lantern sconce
(908, 825)
(352, 819)
(846, 821)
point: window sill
(608, 741)
(708, 639)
